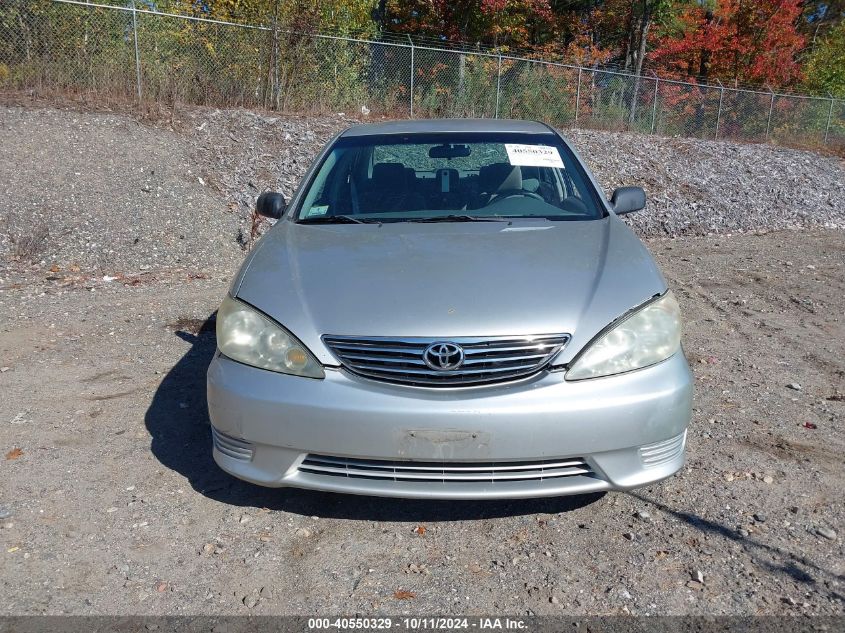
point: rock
(250, 600)
(759, 517)
(20, 418)
(630, 536)
(828, 533)
(554, 600)
(768, 479)
(303, 532)
(5, 512)
(643, 514)
(794, 386)
(698, 576)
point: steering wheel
(512, 193)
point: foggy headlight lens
(249, 337)
(646, 337)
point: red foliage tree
(740, 41)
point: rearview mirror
(271, 205)
(449, 151)
(627, 200)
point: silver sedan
(450, 309)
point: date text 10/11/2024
(416, 623)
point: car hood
(448, 279)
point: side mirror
(627, 200)
(271, 205)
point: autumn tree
(508, 23)
(737, 41)
(825, 68)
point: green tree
(825, 68)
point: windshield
(449, 177)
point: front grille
(444, 472)
(486, 360)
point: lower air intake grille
(446, 362)
(444, 472)
(231, 447)
(663, 452)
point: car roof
(435, 126)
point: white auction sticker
(533, 155)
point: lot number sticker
(533, 155)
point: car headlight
(246, 335)
(645, 337)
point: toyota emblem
(444, 356)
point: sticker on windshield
(533, 155)
(317, 210)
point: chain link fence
(132, 52)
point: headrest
(393, 173)
(499, 176)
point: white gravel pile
(106, 192)
(694, 187)
(698, 187)
(103, 193)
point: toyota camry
(450, 309)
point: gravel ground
(110, 502)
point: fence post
(719, 111)
(137, 52)
(498, 83)
(771, 110)
(654, 102)
(578, 95)
(829, 117)
(275, 91)
(412, 76)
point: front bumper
(539, 437)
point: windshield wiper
(458, 218)
(336, 219)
